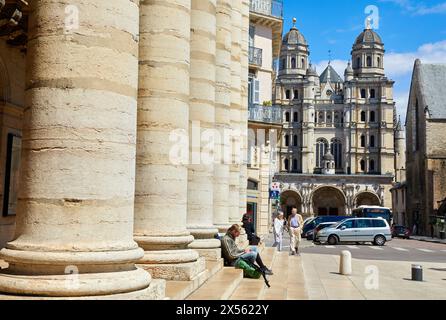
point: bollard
(345, 265)
(417, 272)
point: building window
(295, 165)
(288, 94)
(321, 117)
(369, 61)
(295, 117)
(287, 141)
(295, 141)
(372, 141)
(252, 32)
(362, 164)
(372, 94)
(253, 185)
(372, 166)
(287, 165)
(293, 63)
(363, 116)
(12, 173)
(379, 62)
(287, 117)
(372, 116)
(296, 94)
(321, 150)
(303, 63)
(363, 141)
(358, 62)
(336, 150)
(363, 93)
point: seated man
(231, 253)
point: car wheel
(333, 240)
(380, 241)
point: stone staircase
(287, 283)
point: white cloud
(400, 64)
(419, 8)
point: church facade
(341, 136)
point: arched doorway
(367, 199)
(329, 201)
(290, 199)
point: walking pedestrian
(278, 231)
(295, 223)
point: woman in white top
(278, 230)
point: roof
(294, 36)
(330, 73)
(432, 79)
(368, 36)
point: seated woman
(248, 225)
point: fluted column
(163, 115)
(235, 113)
(75, 205)
(200, 215)
(244, 106)
(222, 115)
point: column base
(223, 228)
(75, 285)
(176, 272)
(207, 248)
(155, 291)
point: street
(395, 250)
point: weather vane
(294, 22)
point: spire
(368, 25)
(294, 23)
(329, 57)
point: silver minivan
(375, 230)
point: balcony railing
(258, 113)
(272, 8)
(255, 56)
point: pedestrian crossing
(387, 248)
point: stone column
(163, 114)
(75, 206)
(222, 116)
(244, 106)
(200, 215)
(236, 98)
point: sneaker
(268, 272)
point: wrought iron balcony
(272, 114)
(255, 56)
(273, 8)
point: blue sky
(410, 29)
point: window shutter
(256, 97)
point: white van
(375, 230)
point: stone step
(219, 287)
(3, 264)
(287, 283)
(253, 289)
(180, 290)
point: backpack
(248, 270)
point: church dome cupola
(294, 54)
(368, 54)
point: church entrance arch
(329, 201)
(290, 199)
(367, 199)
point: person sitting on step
(231, 253)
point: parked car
(319, 228)
(375, 230)
(401, 232)
(317, 221)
